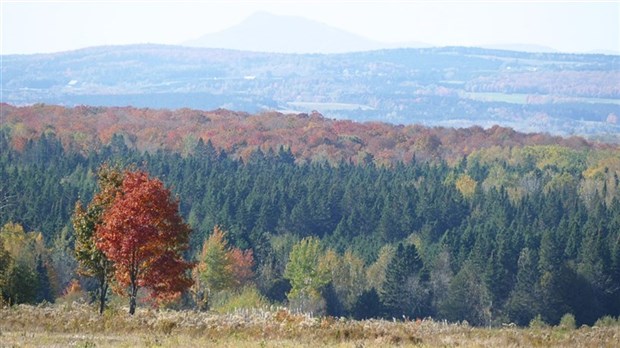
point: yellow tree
(220, 267)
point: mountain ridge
(266, 32)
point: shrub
(606, 321)
(73, 293)
(249, 297)
(311, 304)
(538, 323)
(568, 322)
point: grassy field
(80, 326)
(521, 98)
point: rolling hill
(453, 86)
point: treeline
(310, 137)
(502, 235)
(584, 83)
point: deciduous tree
(92, 262)
(304, 272)
(220, 267)
(144, 235)
(25, 277)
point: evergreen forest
(504, 233)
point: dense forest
(489, 226)
(310, 137)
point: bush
(249, 297)
(73, 293)
(606, 321)
(311, 304)
(568, 322)
(538, 323)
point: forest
(359, 220)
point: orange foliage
(73, 288)
(309, 137)
(144, 235)
(241, 263)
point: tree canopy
(144, 235)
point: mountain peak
(267, 32)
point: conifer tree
(396, 293)
(524, 300)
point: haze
(49, 26)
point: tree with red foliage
(144, 235)
(241, 263)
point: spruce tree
(396, 293)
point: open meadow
(79, 325)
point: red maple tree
(144, 235)
(241, 263)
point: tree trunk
(132, 304)
(132, 297)
(103, 292)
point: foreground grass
(80, 326)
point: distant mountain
(265, 32)
(450, 86)
(522, 48)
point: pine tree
(397, 293)
(44, 288)
(552, 278)
(524, 300)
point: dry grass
(79, 325)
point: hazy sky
(571, 26)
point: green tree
(468, 297)
(5, 263)
(349, 279)
(25, 278)
(401, 277)
(524, 300)
(212, 273)
(375, 273)
(553, 272)
(304, 272)
(220, 267)
(92, 262)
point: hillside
(452, 86)
(489, 226)
(311, 138)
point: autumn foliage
(311, 138)
(91, 260)
(220, 267)
(144, 235)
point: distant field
(305, 106)
(496, 97)
(81, 326)
(521, 98)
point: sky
(568, 26)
